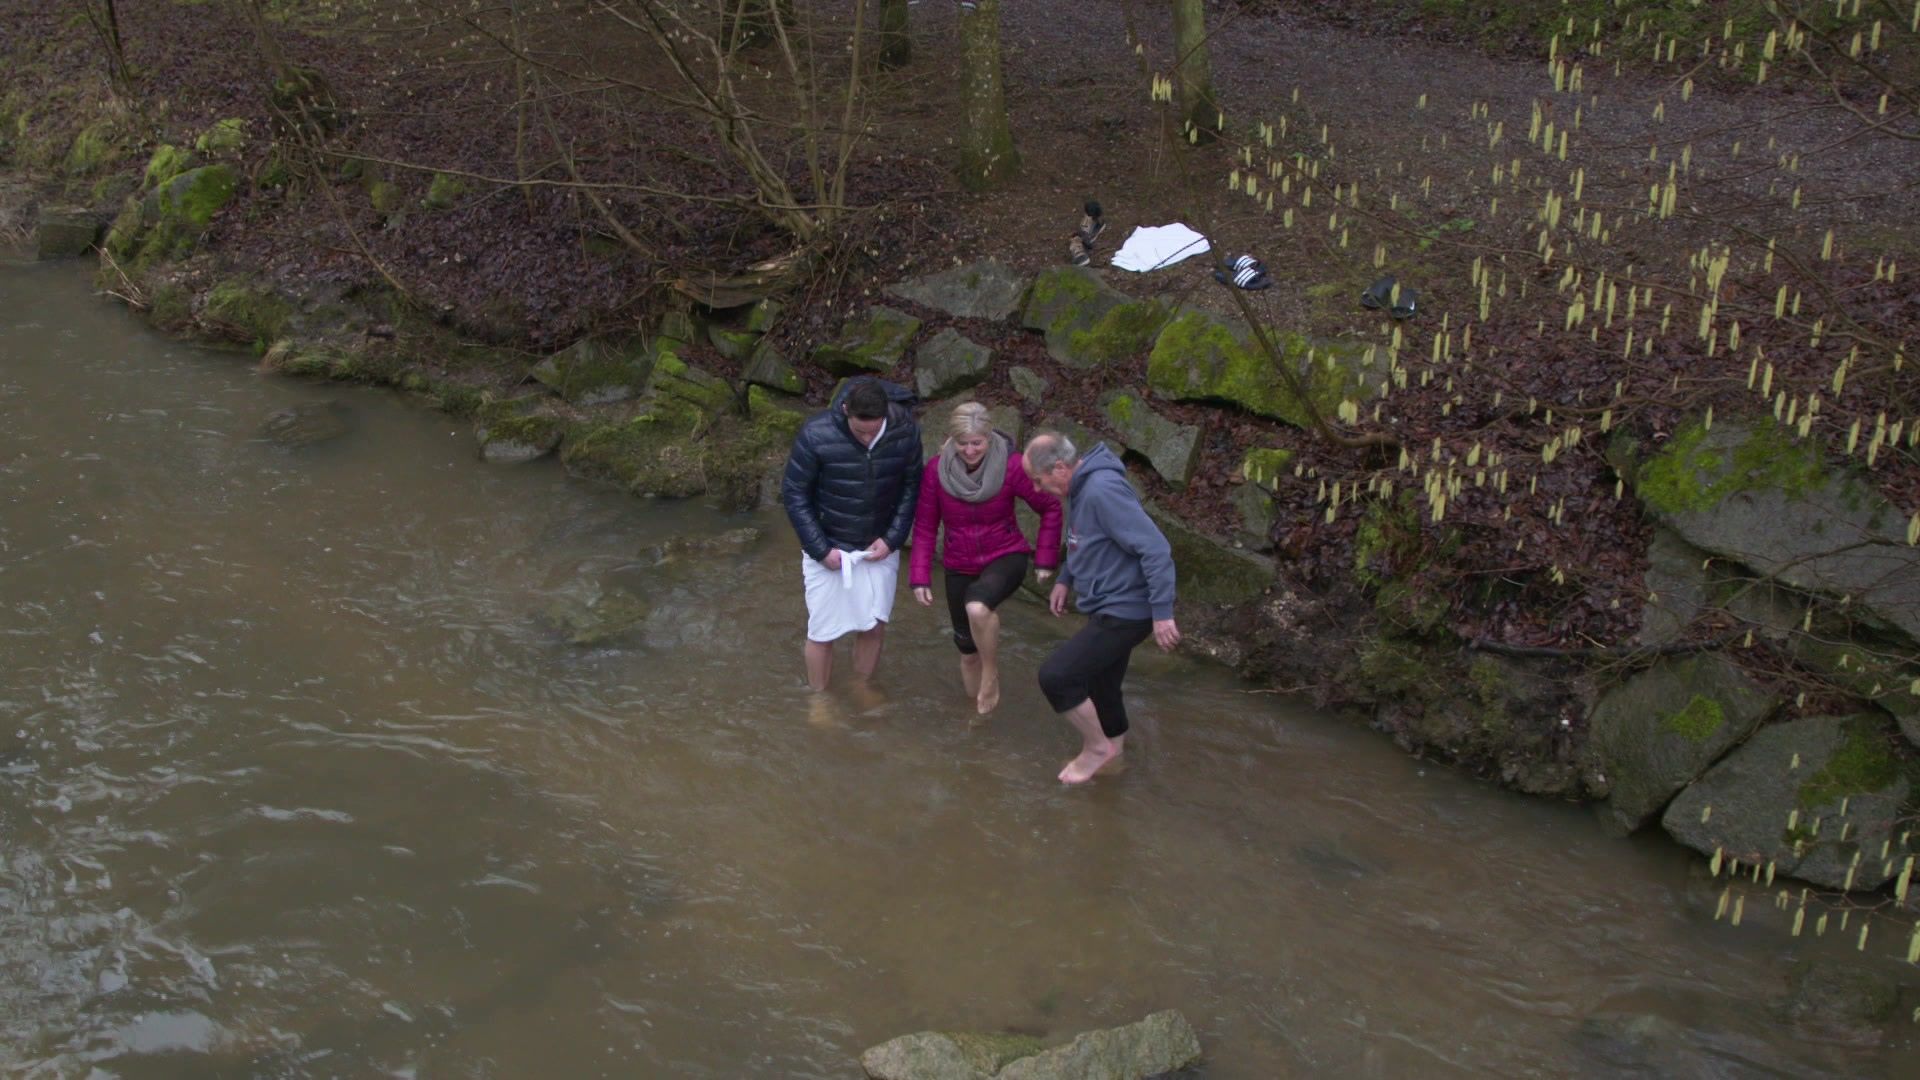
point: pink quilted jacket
(978, 533)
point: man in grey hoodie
(1120, 569)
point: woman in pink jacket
(969, 487)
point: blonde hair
(969, 418)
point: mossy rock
(1201, 357)
(508, 437)
(948, 363)
(734, 345)
(95, 147)
(1210, 571)
(444, 192)
(301, 98)
(245, 313)
(1075, 310)
(762, 316)
(1655, 733)
(655, 453)
(778, 418)
(767, 368)
(597, 371)
(386, 196)
(609, 616)
(167, 162)
(225, 139)
(1173, 449)
(1258, 512)
(1751, 492)
(65, 232)
(875, 342)
(1778, 798)
(706, 392)
(1028, 383)
(1266, 466)
(171, 219)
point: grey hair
(969, 418)
(1050, 448)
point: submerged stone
(608, 616)
(1846, 999)
(307, 424)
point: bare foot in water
(989, 698)
(1088, 762)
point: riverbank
(1528, 551)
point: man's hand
(924, 594)
(1057, 600)
(832, 561)
(1165, 634)
(878, 549)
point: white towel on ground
(1151, 247)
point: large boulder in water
(595, 622)
(1816, 798)
(65, 232)
(939, 1055)
(306, 424)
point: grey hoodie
(1118, 563)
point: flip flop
(1378, 295)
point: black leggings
(1090, 665)
(991, 586)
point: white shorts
(841, 603)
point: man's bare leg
(819, 656)
(985, 625)
(970, 674)
(866, 650)
(1096, 750)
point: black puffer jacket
(840, 494)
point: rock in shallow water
(1160, 1044)
(307, 424)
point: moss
(536, 430)
(224, 139)
(1201, 358)
(1698, 722)
(1386, 541)
(169, 306)
(771, 417)
(1120, 408)
(655, 453)
(385, 195)
(1122, 333)
(1266, 465)
(166, 163)
(251, 314)
(1690, 475)
(96, 146)
(876, 343)
(458, 398)
(1860, 765)
(1390, 667)
(443, 192)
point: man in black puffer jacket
(851, 484)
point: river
(295, 779)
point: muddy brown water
(296, 780)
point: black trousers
(1090, 665)
(991, 586)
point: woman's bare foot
(1090, 760)
(970, 674)
(989, 696)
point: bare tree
(896, 48)
(1193, 72)
(987, 154)
(104, 18)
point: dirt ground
(1386, 105)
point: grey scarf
(982, 483)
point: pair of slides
(1386, 294)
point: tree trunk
(1193, 73)
(896, 49)
(987, 156)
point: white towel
(1151, 247)
(856, 599)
